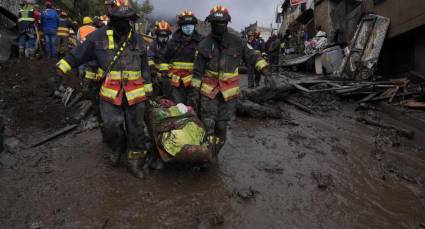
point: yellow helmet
(87, 20)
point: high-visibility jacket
(26, 18)
(178, 58)
(129, 78)
(84, 31)
(64, 28)
(26, 14)
(216, 65)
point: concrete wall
(404, 53)
(322, 16)
(405, 14)
(419, 47)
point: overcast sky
(243, 12)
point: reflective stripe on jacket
(178, 58)
(129, 77)
(216, 66)
(64, 27)
(26, 14)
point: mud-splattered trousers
(123, 89)
(216, 81)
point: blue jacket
(49, 21)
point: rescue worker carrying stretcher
(216, 82)
(156, 51)
(177, 62)
(125, 83)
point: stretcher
(177, 132)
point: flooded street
(304, 171)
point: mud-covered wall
(338, 19)
(404, 53)
(11, 5)
(420, 51)
(405, 15)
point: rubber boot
(21, 53)
(31, 53)
(115, 158)
(136, 162)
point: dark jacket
(217, 62)
(179, 49)
(131, 71)
(274, 48)
(64, 27)
(156, 52)
(179, 57)
(258, 45)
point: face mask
(188, 29)
(219, 28)
(163, 40)
(122, 26)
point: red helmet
(163, 28)
(219, 14)
(187, 17)
(123, 9)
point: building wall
(322, 16)
(405, 14)
(404, 53)
(419, 47)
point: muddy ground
(305, 171)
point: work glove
(55, 81)
(154, 71)
(194, 97)
(269, 80)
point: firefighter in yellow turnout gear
(216, 81)
(121, 55)
(177, 62)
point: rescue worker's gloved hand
(55, 81)
(269, 80)
(194, 96)
(154, 71)
(164, 74)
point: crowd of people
(50, 31)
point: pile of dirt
(25, 95)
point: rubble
(324, 182)
(406, 133)
(246, 193)
(54, 135)
(255, 110)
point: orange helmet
(163, 28)
(187, 17)
(123, 9)
(219, 14)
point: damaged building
(404, 47)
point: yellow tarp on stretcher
(190, 134)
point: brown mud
(305, 171)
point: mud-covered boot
(135, 163)
(21, 53)
(115, 158)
